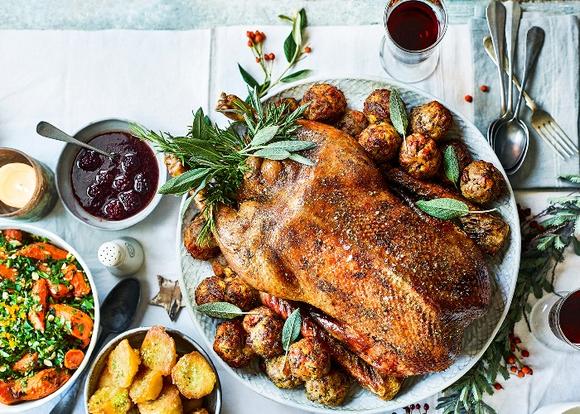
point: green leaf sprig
(221, 310)
(447, 208)
(291, 329)
(398, 113)
(545, 237)
(451, 165)
(216, 157)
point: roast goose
(401, 286)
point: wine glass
(413, 30)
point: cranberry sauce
(570, 318)
(413, 25)
(119, 188)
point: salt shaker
(121, 257)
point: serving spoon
(512, 137)
(117, 313)
(48, 130)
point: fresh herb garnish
(451, 165)
(447, 208)
(291, 329)
(216, 157)
(398, 113)
(222, 310)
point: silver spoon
(50, 131)
(512, 137)
(117, 313)
(495, 13)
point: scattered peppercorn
(250, 35)
(497, 386)
(517, 340)
(426, 407)
(468, 98)
(511, 359)
(260, 37)
(525, 353)
(521, 374)
(257, 60)
(250, 43)
(527, 370)
(484, 88)
(307, 49)
(513, 369)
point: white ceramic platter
(477, 337)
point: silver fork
(544, 124)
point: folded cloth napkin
(554, 85)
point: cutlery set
(508, 134)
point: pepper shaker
(121, 257)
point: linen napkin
(554, 85)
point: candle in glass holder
(17, 184)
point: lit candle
(17, 184)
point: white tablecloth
(157, 78)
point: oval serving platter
(477, 337)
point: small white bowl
(64, 182)
(59, 242)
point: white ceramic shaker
(121, 257)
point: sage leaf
(292, 146)
(198, 125)
(264, 135)
(222, 310)
(301, 159)
(290, 48)
(303, 19)
(293, 77)
(572, 178)
(275, 154)
(451, 165)
(291, 329)
(249, 79)
(443, 208)
(184, 182)
(398, 113)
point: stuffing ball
(381, 141)
(308, 359)
(352, 122)
(420, 156)
(377, 107)
(278, 371)
(291, 104)
(481, 182)
(196, 250)
(326, 103)
(230, 344)
(240, 294)
(211, 289)
(431, 119)
(256, 315)
(329, 390)
(265, 337)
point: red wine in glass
(413, 25)
(569, 318)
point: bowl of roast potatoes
(152, 371)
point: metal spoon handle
(516, 12)
(67, 403)
(534, 43)
(496, 13)
(50, 131)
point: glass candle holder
(27, 188)
(413, 30)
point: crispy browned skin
(335, 237)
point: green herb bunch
(215, 158)
(544, 239)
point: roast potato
(146, 386)
(106, 379)
(211, 289)
(481, 182)
(168, 402)
(240, 294)
(123, 364)
(109, 400)
(190, 235)
(308, 359)
(230, 344)
(419, 156)
(256, 315)
(377, 106)
(352, 122)
(331, 389)
(158, 350)
(278, 370)
(193, 375)
(431, 119)
(326, 103)
(381, 141)
(265, 337)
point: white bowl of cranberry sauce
(110, 193)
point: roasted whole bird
(399, 287)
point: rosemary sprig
(543, 245)
(215, 158)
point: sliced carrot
(7, 272)
(81, 323)
(77, 280)
(7, 395)
(58, 290)
(42, 251)
(43, 267)
(38, 312)
(13, 234)
(39, 385)
(26, 363)
(73, 358)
